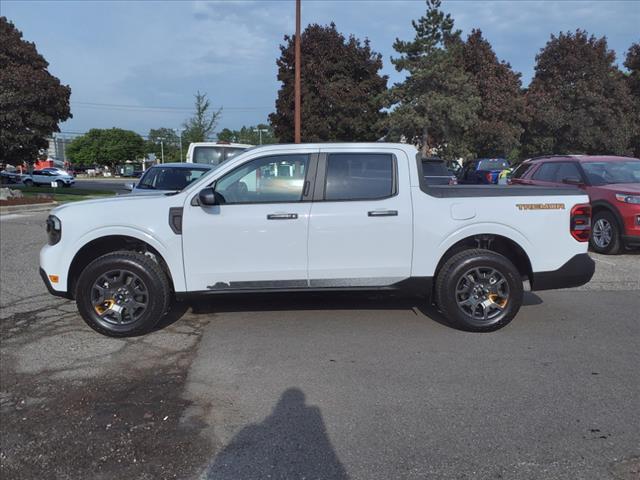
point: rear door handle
(282, 216)
(383, 213)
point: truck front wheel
(122, 294)
(479, 290)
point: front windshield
(604, 173)
(169, 178)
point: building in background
(57, 149)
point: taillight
(580, 227)
(489, 177)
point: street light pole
(161, 149)
(260, 130)
(296, 120)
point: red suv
(613, 186)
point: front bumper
(631, 240)
(47, 284)
(574, 273)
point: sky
(137, 65)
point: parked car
(482, 170)
(10, 176)
(168, 177)
(214, 153)
(48, 176)
(312, 217)
(435, 172)
(613, 186)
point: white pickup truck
(317, 217)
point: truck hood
(622, 187)
(119, 201)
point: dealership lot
(319, 386)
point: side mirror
(208, 196)
(129, 186)
(572, 181)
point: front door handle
(282, 216)
(383, 213)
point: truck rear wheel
(122, 294)
(479, 290)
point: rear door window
(546, 172)
(521, 170)
(567, 171)
(359, 176)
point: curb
(39, 207)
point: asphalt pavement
(359, 386)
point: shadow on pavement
(273, 302)
(291, 443)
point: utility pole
(297, 78)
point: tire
(473, 272)
(605, 234)
(142, 282)
(60, 183)
(28, 183)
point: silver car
(168, 177)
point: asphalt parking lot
(344, 386)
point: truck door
(360, 228)
(257, 237)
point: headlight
(54, 229)
(628, 198)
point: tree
(438, 102)
(498, 129)
(32, 101)
(632, 62)
(201, 126)
(341, 92)
(578, 100)
(164, 139)
(249, 135)
(110, 147)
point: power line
(120, 106)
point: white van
(214, 153)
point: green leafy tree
(437, 105)
(249, 135)
(341, 88)
(200, 127)
(164, 139)
(578, 100)
(498, 129)
(632, 62)
(109, 147)
(32, 101)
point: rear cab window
(359, 176)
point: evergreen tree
(438, 103)
(200, 127)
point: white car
(48, 176)
(214, 153)
(317, 217)
(168, 177)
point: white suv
(48, 176)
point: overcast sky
(116, 55)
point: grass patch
(67, 191)
(64, 197)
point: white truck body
(314, 243)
